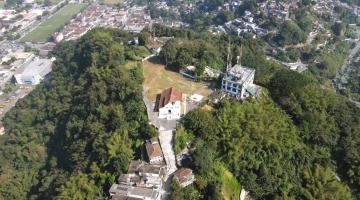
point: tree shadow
(156, 60)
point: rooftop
(134, 166)
(37, 67)
(152, 169)
(130, 191)
(153, 149)
(170, 95)
(183, 174)
(240, 74)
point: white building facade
(34, 72)
(170, 111)
(239, 82)
(170, 104)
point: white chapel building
(170, 104)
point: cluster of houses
(186, 7)
(25, 67)
(244, 25)
(138, 18)
(133, 19)
(326, 8)
(14, 22)
(276, 9)
(144, 180)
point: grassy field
(54, 23)
(230, 186)
(157, 78)
(112, 2)
(52, 2)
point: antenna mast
(240, 55)
(228, 64)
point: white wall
(174, 108)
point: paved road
(343, 73)
(166, 134)
(35, 24)
(166, 142)
(297, 66)
(10, 100)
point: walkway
(166, 142)
(166, 134)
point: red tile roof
(170, 95)
(183, 174)
(153, 149)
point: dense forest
(203, 49)
(297, 141)
(74, 134)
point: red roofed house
(170, 104)
(184, 176)
(154, 152)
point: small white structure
(213, 73)
(239, 82)
(34, 72)
(170, 104)
(2, 129)
(196, 98)
(4, 73)
(58, 37)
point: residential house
(170, 104)
(154, 152)
(126, 192)
(143, 175)
(184, 176)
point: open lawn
(112, 2)
(52, 2)
(54, 23)
(157, 78)
(231, 187)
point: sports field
(44, 31)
